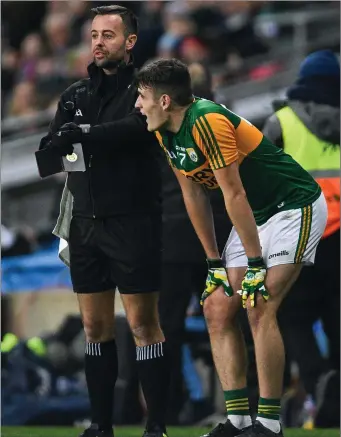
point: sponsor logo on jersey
(192, 154)
(283, 253)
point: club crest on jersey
(192, 154)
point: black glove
(68, 134)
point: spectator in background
(201, 80)
(177, 27)
(307, 126)
(31, 50)
(79, 11)
(57, 30)
(15, 242)
(24, 100)
(193, 50)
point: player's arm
(238, 208)
(200, 213)
(216, 136)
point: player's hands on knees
(254, 282)
(216, 277)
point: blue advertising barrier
(34, 272)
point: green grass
(137, 432)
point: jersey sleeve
(215, 135)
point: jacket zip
(101, 106)
(90, 160)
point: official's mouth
(99, 55)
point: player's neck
(176, 118)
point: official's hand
(216, 276)
(254, 282)
(68, 134)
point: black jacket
(122, 175)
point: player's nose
(137, 103)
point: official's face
(109, 40)
(152, 108)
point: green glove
(216, 276)
(253, 281)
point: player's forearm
(241, 215)
(200, 213)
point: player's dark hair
(167, 76)
(129, 19)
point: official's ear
(130, 42)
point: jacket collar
(125, 74)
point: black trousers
(179, 282)
(315, 295)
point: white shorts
(289, 237)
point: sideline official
(115, 231)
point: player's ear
(165, 102)
(130, 42)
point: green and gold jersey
(212, 137)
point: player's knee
(219, 312)
(97, 330)
(262, 315)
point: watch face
(72, 158)
(74, 161)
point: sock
(154, 372)
(237, 407)
(101, 368)
(268, 413)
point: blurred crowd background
(243, 54)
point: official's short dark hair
(129, 19)
(167, 76)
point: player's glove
(68, 134)
(253, 281)
(216, 276)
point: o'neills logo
(283, 253)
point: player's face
(152, 107)
(109, 41)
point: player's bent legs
(228, 349)
(227, 342)
(101, 364)
(269, 348)
(151, 355)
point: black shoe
(156, 432)
(93, 431)
(262, 431)
(228, 430)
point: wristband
(214, 263)
(256, 262)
